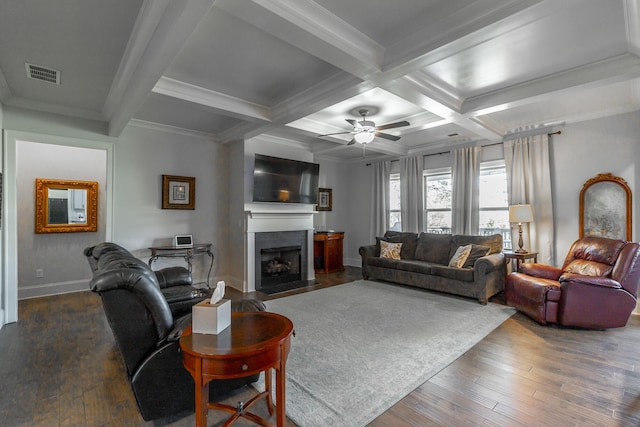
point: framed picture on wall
(605, 208)
(178, 192)
(324, 199)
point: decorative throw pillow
(477, 251)
(461, 255)
(390, 250)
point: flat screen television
(284, 181)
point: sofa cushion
(390, 250)
(409, 242)
(434, 248)
(494, 241)
(404, 265)
(460, 256)
(477, 252)
(462, 274)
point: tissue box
(211, 318)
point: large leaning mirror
(605, 208)
(66, 206)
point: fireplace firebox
(281, 260)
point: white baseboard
(25, 292)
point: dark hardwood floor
(59, 367)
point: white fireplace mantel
(260, 219)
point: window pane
(394, 192)
(394, 221)
(439, 222)
(493, 188)
(494, 219)
(438, 190)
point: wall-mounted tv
(284, 181)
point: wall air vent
(45, 74)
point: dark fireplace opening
(280, 265)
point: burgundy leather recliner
(596, 287)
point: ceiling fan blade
(387, 136)
(353, 141)
(336, 133)
(351, 122)
(393, 125)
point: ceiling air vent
(38, 72)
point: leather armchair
(596, 287)
(148, 336)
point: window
(494, 201)
(437, 201)
(395, 220)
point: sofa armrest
(173, 276)
(489, 263)
(542, 271)
(605, 282)
(367, 251)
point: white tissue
(218, 293)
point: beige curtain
(529, 182)
(411, 209)
(466, 190)
(380, 199)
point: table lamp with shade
(520, 214)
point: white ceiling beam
(324, 25)
(226, 104)
(458, 31)
(600, 73)
(178, 21)
(430, 97)
(145, 26)
(313, 29)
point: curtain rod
(514, 136)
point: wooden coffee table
(255, 342)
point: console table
(255, 342)
(186, 253)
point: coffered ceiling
(460, 71)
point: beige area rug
(362, 346)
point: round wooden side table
(256, 341)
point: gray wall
(57, 254)
(141, 156)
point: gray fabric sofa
(424, 260)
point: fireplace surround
(272, 228)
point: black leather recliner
(175, 283)
(147, 333)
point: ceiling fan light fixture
(364, 137)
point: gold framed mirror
(66, 206)
(605, 207)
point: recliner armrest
(179, 326)
(605, 282)
(173, 276)
(542, 271)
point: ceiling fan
(365, 130)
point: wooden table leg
(268, 388)
(202, 397)
(280, 395)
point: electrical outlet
(39, 273)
